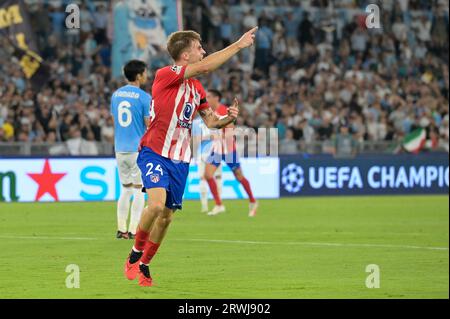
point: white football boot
(217, 210)
(252, 207)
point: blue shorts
(159, 171)
(231, 159)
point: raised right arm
(215, 60)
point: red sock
(248, 189)
(213, 187)
(140, 239)
(150, 250)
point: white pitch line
(312, 244)
(300, 243)
(46, 237)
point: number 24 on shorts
(150, 170)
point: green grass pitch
(294, 248)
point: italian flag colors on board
(415, 141)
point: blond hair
(180, 41)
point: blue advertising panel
(364, 175)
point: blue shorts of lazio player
(231, 159)
(159, 171)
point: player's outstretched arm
(212, 121)
(215, 60)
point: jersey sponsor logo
(184, 124)
(187, 113)
(185, 121)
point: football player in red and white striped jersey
(224, 149)
(165, 147)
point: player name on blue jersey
(132, 95)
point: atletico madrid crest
(154, 178)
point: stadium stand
(316, 73)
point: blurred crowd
(316, 73)
(73, 106)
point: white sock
(136, 209)
(123, 206)
(135, 250)
(218, 177)
(204, 194)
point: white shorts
(129, 172)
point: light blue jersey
(199, 128)
(129, 106)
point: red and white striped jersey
(175, 102)
(227, 142)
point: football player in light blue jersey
(201, 136)
(130, 107)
